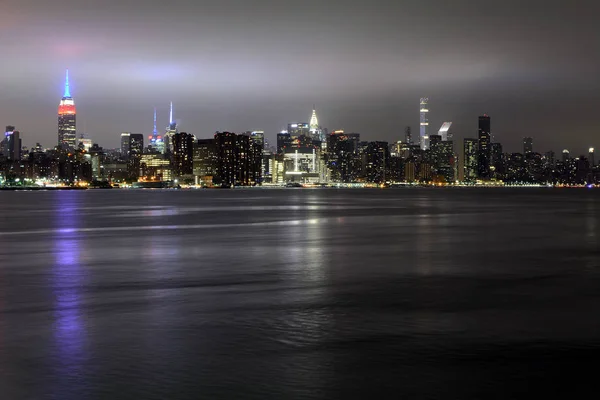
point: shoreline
(60, 188)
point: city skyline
(173, 124)
(279, 60)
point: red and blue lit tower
(67, 135)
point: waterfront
(422, 293)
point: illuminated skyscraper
(298, 129)
(84, 143)
(343, 159)
(591, 157)
(445, 132)
(284, 141)
(424, 112)
(497, 163)
(484, 147)
(376, 158)
(314, 122)
(182, 155)
(470, 160)
(136, 149)
(125, 143)
(314, 128)
(67, 136)
(205, 161)
(155, 140)
(234, 160)
(132, 147)
(172, 123)
(12, 143)
(258, 137)
(171, 130)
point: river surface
(299, 293)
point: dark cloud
(240, 65)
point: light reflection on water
(67, 283)
(67, 286)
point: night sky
(238, 65)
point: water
(408, 293)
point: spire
(155, 132)
(314, 123)
(171, 114)
(67, 91)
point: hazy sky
(238, 65)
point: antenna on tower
(171, 115)
(155, 132)
(67, 91)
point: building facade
(424, 123)
(484, 147)
(182, 154)
(205, 161)
(470, 168)
(12, 143)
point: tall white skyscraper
(445, 132)
(315, 129)
(314, 122)
(424, 111)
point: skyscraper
(442, 158)
(445, 132)
(284, 141)
(314, 128)
(237, 164)
(257, 137)
(484, 147)
(226, 155)
(136, 149)
(591, 157)
(156, 140)
(497, 164)
(67, 136)
(314, 122)
(470, 160)
(256, 148)
(84, 143)
(342, 156)
(12, 149)
(549, 159)
(376, 159)
(296, 130)
(125, 142)
(527, 145)
(182, 153)
(408, 135)
(171, 130)
(424, 111)
(205, 161)
(434, 148)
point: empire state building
(67, 136)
